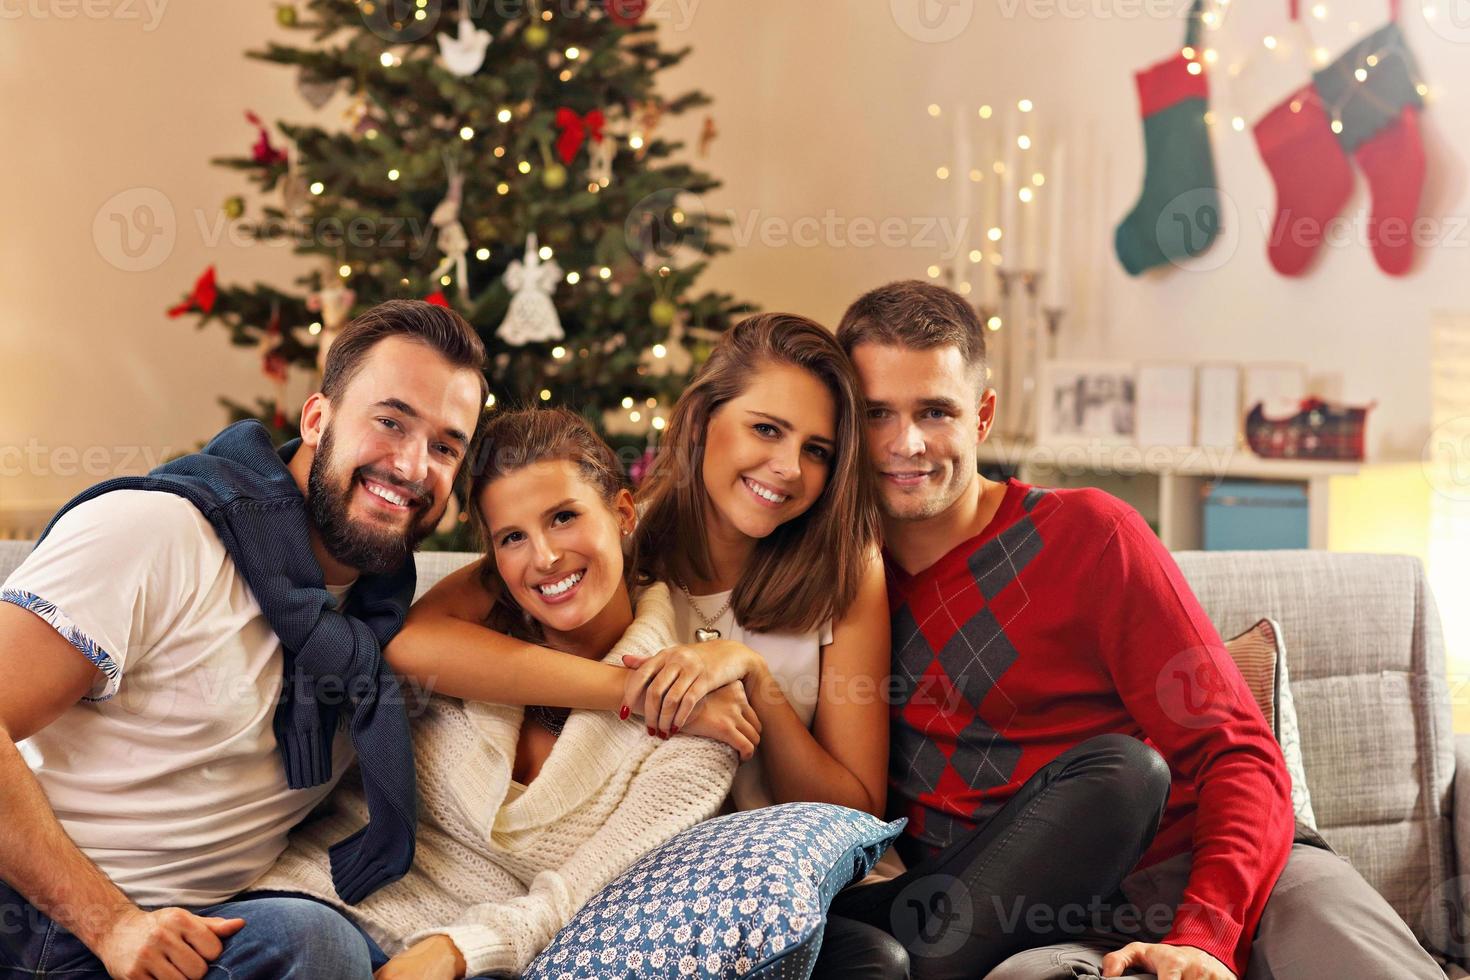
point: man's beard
(370, 549)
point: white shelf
(1167, 483)
(1194, 461)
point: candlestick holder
(1020, 352)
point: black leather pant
(1062, 844)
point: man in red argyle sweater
(1027, 621)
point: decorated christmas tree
(503, 158)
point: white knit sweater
(500, 879)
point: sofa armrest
(1462, 836)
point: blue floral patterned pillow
(743, 895)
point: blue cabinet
(1248, 515)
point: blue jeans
(284, 938)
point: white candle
(1030, 210)
(1010, 234)
(1053, 283)
(964, 197)
(989, 289)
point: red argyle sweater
(1064, 619)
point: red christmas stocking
(1312, 176)
(1376, 117)
(1393, 162)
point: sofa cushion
(1260, 653)
(743, 895)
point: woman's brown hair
(511, 441)
(806, 572)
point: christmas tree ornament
(532, 317)
(286, 14)
(1177, 216)
(554, 177)
(234, 207)
(464, 53)
(317, 92)
(648, 116)
(201, 298)
(671, 356)
(662, 313)
(295, 190)
(707, 135)
(575, 130)
(600, 156)
(263, 152)
(452, 240)
(273, 362)
(626, 13)
(437, 298)
(356, 111)
(1373, 95)
(536, 36)
(334, 303)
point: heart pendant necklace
(707, 632)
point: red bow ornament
(263, 152)
(202, 298)
(574, 131)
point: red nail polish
(673, 729)
(664, 736)
(623, 712)
(651, 731)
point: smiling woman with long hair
(759, 516)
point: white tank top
(795, 660)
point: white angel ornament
(452, 240)
(532, 317)
(464, 53)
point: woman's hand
(670, 684)
(726, 716)
(434, 958)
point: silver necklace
(708, 632)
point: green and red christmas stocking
(1178, 212)
(1372, 95)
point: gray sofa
(1368, 673)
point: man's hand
(167, 944)
(1166, 962)
(434, 958)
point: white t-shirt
(167, 774)
(795, 660)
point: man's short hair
(437, 327)
(918, 315)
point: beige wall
(820, 104)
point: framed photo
(1165, 405)
(1219, 414)
(1280, 387)
(1087, 402)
